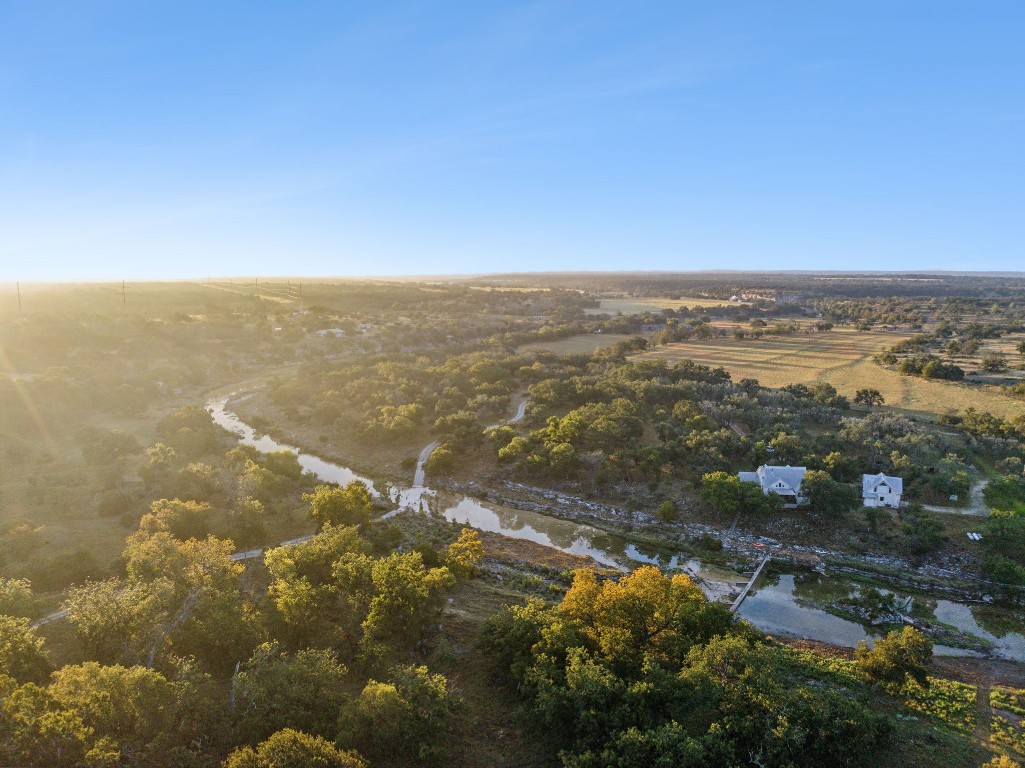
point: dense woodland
(380, 642)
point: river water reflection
(782, 604)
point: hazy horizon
(486, 275)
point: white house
(881, 490)
(783, 481)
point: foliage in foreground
(293, 749)
(644, 671)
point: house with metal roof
(881, 490)
(783, 481)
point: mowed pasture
(843, 358)
(582, 344)
(636, 306)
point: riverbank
(739, 548)
(620, 538)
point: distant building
(336, 332)
(881, 490)
(783, 481)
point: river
(782, 604)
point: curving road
(418, 474)
(976, 508)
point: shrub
(900, 655)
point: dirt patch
(520, 550)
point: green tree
(1004, 571)
(115, 619)
(161, 460)
(723, 491)
(189, 565)
(869, 397)
(902, 654)
(16, 597)
(827, 495)
(643, 615)
(389, 601)
(22, 653)
(666, 511)
(283, 463)
(1005, 494)
(440, 461)
(275, 690)
(514, 449)
(130, 709)
(304, 590)
(407, 715)
(182, 519)
(39, 732)
(461, 428)
(561, 459)
(994, 361)
(464, 554)
(289, 748)
(349, 505)
(729, 495)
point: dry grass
(521, 550)
(488, 732)
(635, 306)
(842, 357)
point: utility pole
(124, 296)
(21, 315)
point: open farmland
(635, 306)
(582, 344)
(842, 358)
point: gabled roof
(749, 477)
(791, 476)
(869, 483)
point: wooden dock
(747, 588)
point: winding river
(781, 604)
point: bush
(708, 542)
(666, 511)
(900, 655)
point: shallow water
(779, 605)
(321, 469)
(1009, 646)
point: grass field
(585, 343)
(638, 305)
(842, 357)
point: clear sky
(193, 139)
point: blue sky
(192, 139)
